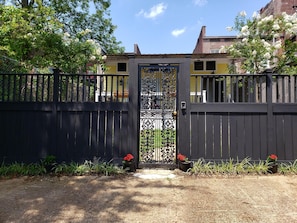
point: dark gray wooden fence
(74, 117)
(79, 117)
(244, 116)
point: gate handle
(174, 114)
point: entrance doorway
(157, 114)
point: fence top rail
(95, 75)
(61, 74)
(23, 74)
(240, 75)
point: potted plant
(129, 163)
(49, 163)
(271, 162)
(183, 162)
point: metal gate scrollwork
(157, 124)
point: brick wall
(276, 7)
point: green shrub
(73, 168)
(245, 166)
(288, 168)
(67, 169)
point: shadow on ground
(133, 199)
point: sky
(173, 26)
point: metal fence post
(54, 149)
(270, 122)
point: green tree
(265, 42)
(37, 35)
(79, 15)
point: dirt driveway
(173, 198)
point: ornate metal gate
(158, 114)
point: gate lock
(183, 105)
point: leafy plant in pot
(49, 163)
(183, 162)
(129, 163)
(271, 162)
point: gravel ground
(149, 196)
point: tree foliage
(56, 33)
(266, 41)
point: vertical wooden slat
(83, 88)
(93, 133)
(31, 88)
(8, 93)
(208, 99)
(292, 87)
(14, 91)
(37, 88)
(256, 137)
(279, 147)
(295, 87)
(196, 89)
(288, 137)
(72, 88)
(83, 132)
(194, 136)
(77, 98)
(117, 131)
(89, 93)
(237, 89)
(241, 133)
(219, 91)
(264, 137)
(124, 145)
(217, 146)
(202, 134)
(48, 87)
(233, 136)
(116, 91)
(214, 90)
(109, 135)
(70, 120)
(225, 136)
(262, 90)
(243, 89)
(102, 130)
(294, 139)
(2, 87)
(20, 98)
(42, 88)
(248, 137)
(209, 136)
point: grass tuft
(236, 167)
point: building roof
(126, 56)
